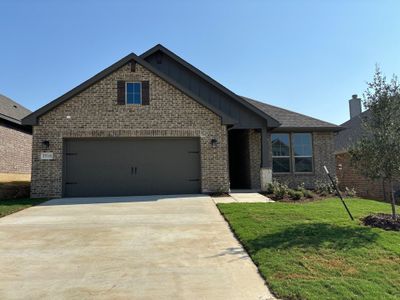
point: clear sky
(307, 56)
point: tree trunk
(393, 202)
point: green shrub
(323, 187)
(350, 192)
(270, 188)
(295, 195)
(278, 189)
(308, 194)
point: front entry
(239, 159)
(131, 166)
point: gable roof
(33, 117)
(291, 120)
(352, 132)
(11, 110)
(278, 118)
(272, 122)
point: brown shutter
(133, 66)
(120, 92)
(145, 93)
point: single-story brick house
(15, 141)
(154, 124)
(349, 176)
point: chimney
(355, 106)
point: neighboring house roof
(291, 120)
(11, 110)
(351, 133)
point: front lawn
(313, 251)
(11, 206)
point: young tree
(377, 154)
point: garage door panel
(113, 167)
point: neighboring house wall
(323, 148)
(95, 113)
(348, 176)
(15, 150)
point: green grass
(11, 206)
(313, 250)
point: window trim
(288, 156)
(292, 157)
(299, 156)
(126, 93)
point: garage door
(124, 167)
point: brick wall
(323, 154)
(255, 158)
(349, 176)
(95, 113)
(15, 150)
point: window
(302, 152)
(280, 153)
(133, 93)
(292, 151)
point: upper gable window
(133, 93)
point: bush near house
(280, 191)
(14, 189)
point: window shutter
(120, 92)
(145, 93)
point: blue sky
(307, 56)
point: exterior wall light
(214, 143)
(46, 144)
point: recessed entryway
(239, 159)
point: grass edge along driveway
(11, 206)
(313, 251)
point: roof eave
(10, 119)
(303, 129)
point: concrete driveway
(152, 247)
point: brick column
(266, 160)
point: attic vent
(15, 106)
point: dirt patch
(384, 221)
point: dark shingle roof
(351, 133)
(11, 110)
(292, 120)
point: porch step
(243, 197)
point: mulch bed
(14, 190)
(219, 194)
(384, 221)
(287, 199)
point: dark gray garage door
(123, 167)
